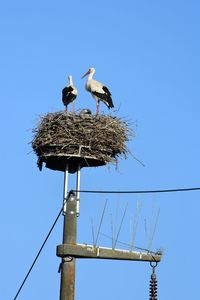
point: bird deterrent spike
(120, 226)
(100, 223)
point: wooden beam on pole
(89, 251)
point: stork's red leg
(98, 106)
(73, 107)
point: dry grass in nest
(66, 134)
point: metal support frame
(78, 183)
(65, 192)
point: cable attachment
(64, 260)
(153, 283)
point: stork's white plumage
(69, 94)
(98, 90)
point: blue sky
(147, 53)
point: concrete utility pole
(67, 267)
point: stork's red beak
(88, 72)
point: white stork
(98, 90)
(69, 94)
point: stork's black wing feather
(67, 95)
(67, 90)
(106, 90)
(106, 98)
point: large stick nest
(102, 137)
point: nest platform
(79, 139)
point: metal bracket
(78, 182)
(65, 192)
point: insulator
(153, 287)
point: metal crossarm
(89, 251)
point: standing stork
(98, 90)
(69, 94)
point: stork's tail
(109, 103)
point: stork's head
(90, 71)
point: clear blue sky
(147, 53)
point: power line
(138, 191)
(38, 254)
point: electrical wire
(138, 191)
(38, 254)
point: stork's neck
(91, 75)
(70, 80)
